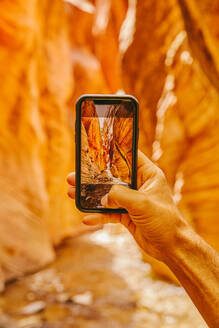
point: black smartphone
(106, 135)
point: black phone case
(105, 99)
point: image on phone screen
(106, 149)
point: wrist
(196, 266)
(183, 242)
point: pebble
(84, 299)
(32, 308)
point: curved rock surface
(175, 76)
(121, 145)
(35, 142)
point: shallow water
(98, 280)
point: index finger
(146, 169)
(144, 160)
(71, 178)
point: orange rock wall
(89, 167)
(36, 147)
(172, 68)
(121, 145)
(93, 135)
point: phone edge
(78, 147)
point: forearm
(196, 265)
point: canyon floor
(96, 187)
(98, 280)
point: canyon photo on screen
(106, 150)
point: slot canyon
(56, 272)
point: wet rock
(104, 270)
(33, 308)
(30, 322)
(84, 299)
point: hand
(157, 226)
(153, 218)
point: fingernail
(104, 200)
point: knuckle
(143, 199)
(140, 201)
(110, 200)
(112, 195)
(114, 190)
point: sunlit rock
(175, 77)
(49, 57)
(35, 144)
(121, 144)
(89, 169)
(93, 134)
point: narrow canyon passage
(164, 53)
(98, 280)
(106, 150)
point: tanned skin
(160, 230)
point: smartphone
(106, 136)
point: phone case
(110, 99)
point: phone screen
(106, 149)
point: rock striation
(91, 124)
(36, 151)
(106, 150)
(121, 144)
(175, 77)
(89, 169)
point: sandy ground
(97, 281)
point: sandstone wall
(36, 148)
(91, 142)
(121, 145)
(88, 168)
(172, 68)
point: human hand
(153, 218)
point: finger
(94, 219)
(146, 169)
(71, 178)
(120, 196)
(71, 192)
(143, 160)
(124, 219)
(128, 223)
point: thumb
(120, 196)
